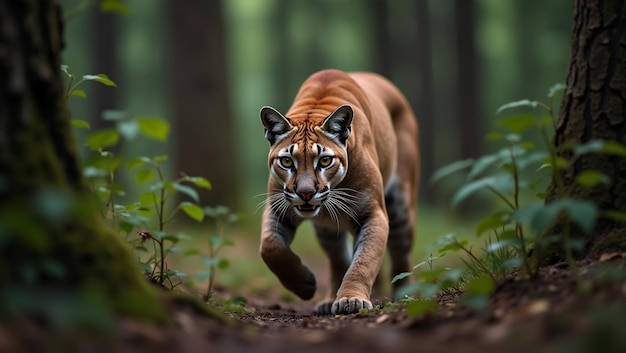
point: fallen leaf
(382, 318)
(610, 256)
(538, 307)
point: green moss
(70, 248)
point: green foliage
(72, 87)
(515, 174)
(149, 215)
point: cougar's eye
(325, 161)
(286, 162)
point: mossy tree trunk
(594, 107)
(51, 238)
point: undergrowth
(143, 216)
(515, 176)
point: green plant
(149, 214)
(222, 217)
(520, 169)
(516, 175)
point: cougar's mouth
(307, 208)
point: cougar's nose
(306, 194)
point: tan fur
(379, 158)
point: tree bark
(50, 236)
(104, 32)
(594, 107)
(467, 84)
(381, 48)
(424, 108)
(205, 135)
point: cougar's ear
(275, 124)
(339, 123)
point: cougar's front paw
(350, 305)
(324, 307)
(303, 285)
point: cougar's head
(308, 158)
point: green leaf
(192, 210)
(582, 212)
(81, 124)
(115, 6)
(524, 162)
(126, 226)
(614, 148)
(517, 104)
(199, 182)
(517, 124)
(556, 88)
(475, 302)
(615, 215)
(419, 307)
(480, 286)
(101, 78)
(191, 252)
(93, 172)
(159, 159)
(114, 115)
(209, 261)
(400, 276)
(483, 163)
(154, 127)
(561, 163)
(132, 207)
(494, 136)
(105, 163)
(146, 212)
(102, 138)
(492, 247)
(144, 176)
(451, 168)
(501, 182)
(216, 211)
(79, 93)
(149, 199)
(223, 264)
(189, 191)
(493, 221)
(456, 246)
(171, 238)
(601, 146)
(137, 162)
(203, 275)
(128, 128)
(591, 178)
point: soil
(546, 314)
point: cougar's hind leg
(401, 215)
(336, 246)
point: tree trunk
(379, 14)
(104, 32)
(424, 108)
(51, 239)
(467, 85)
(594, 107)
(205, 135)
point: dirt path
(546, 315)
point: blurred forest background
(208, 66)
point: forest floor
(548, 314)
